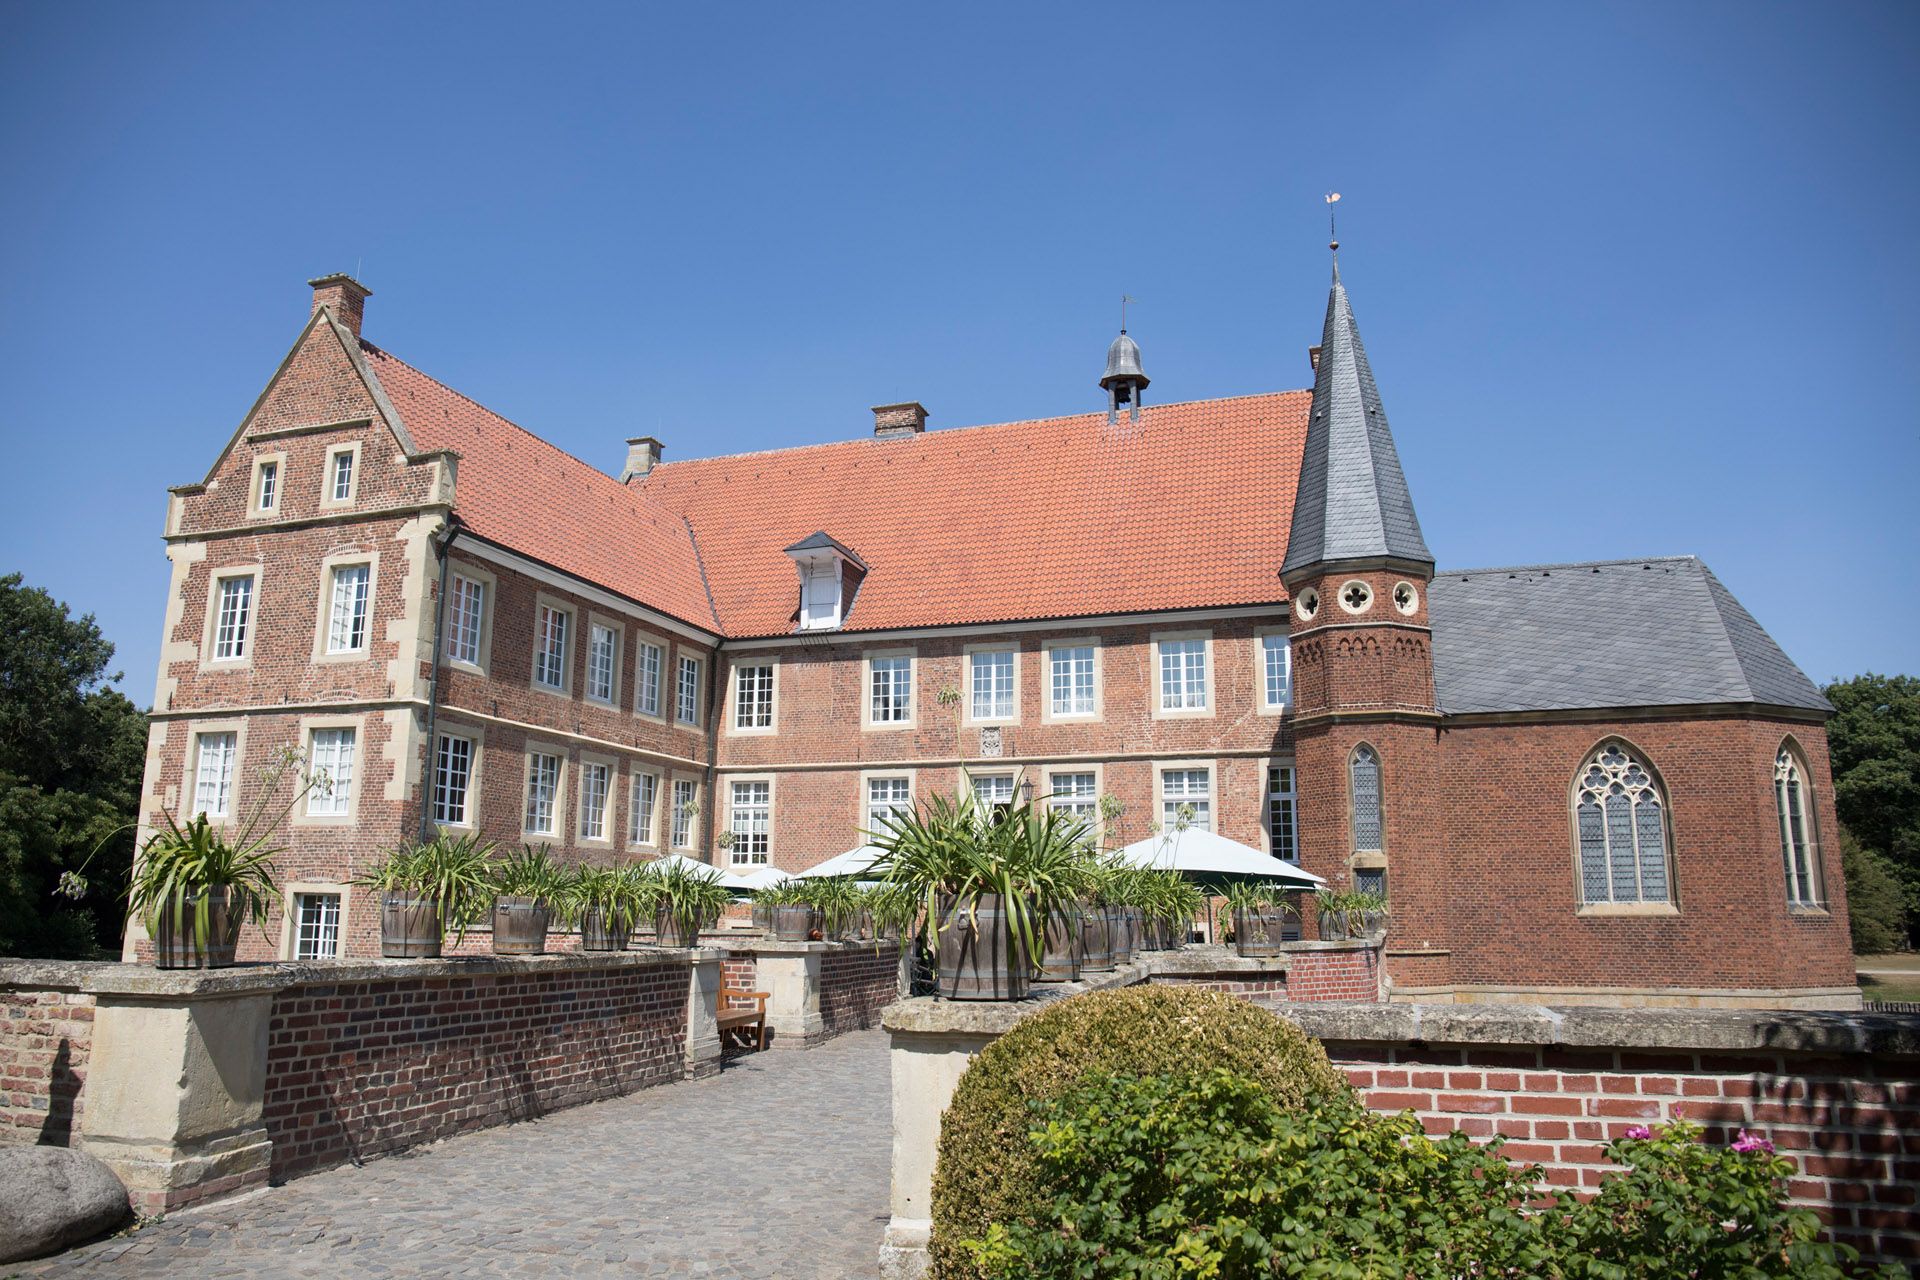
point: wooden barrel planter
(1333, 926)
(1120, 924)
(1096, 940)
(792, 923)
(176, 944)
(519, 925)
(409, 927)
(602, 932)
(980, 956)
(1061, 946)
(1257, 933)
(669, 932)
(762, 917)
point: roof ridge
(1568, 564)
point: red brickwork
(46, 1039)
(364, 1069)
(738, 972)
(1260, 990)
(1334, 975)
(855, 985)
(1852, 1126)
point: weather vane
(1333, 237)
(1124, 300)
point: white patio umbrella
(726, 878)
(763, 877)
(853, 862)
(1205, 855)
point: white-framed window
(1186, 800)
(886, 797)
(266, 486)
(347, 609)
(753, 697)
(233, 618)
(686, 690)
(340, 477)
(750, 818)
(1183, 675)
(1363, 776)
(1070, 680)
(551, 629)
(686, 796)
(603, 654)
(992, 789)
(1620, 826)
(1283, 832)
(596, 789)
(645, 794)
(1276, 670)
(1077, 793)
(646, 680)
(1799, 851)
(452, 777)
(331, 757)
(543, 792)
(213, 773)
(890, 689)
(992, 681)
(466, 609)
(316, 926)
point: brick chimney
(643, 455)
(890, 420)
(341, 294)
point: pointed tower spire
(1352, 502)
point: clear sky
(1635, 279)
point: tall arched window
(1363, 771)
(1620, 822)
(1798, 848)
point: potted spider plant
(427, 888)
(1350, 913)
(526, 885)
(685, 900)
(837, 907)
(788, 912)
(1259, 913)
(607, 902)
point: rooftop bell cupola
(1124, 380)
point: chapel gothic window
(1798, 851)
(1620, 821)
(1364, 772)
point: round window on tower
(1405, 598)
(1356, 597)
(1307, 603)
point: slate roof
(1606, 633)
(1353, 502)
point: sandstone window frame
(1157, 682)
(647, 837)
(210, 630)
(868, 657)
(995, 649)
(864, 822)
(735, 705)
(615, 691)
(689, 704)
(1671, 905)
(470, 798)
(1790, 768)
(265, 486)
(537, 657)
(489, 585)
(330, 566)
(649, 683)
(1076, 768)
(677, 779)
(290, 916)
(310, 728)
(558, 811)
(971, 778)
(591, 760)
(330, 476)
(1161, 798)
(1049, 650)
(737, 813)
(1263, 703)
(236, 767)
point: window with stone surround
(452, 776)
(603, 655)
(992, 678)
(646, 794)
(1621, 829)
(317, 926)
(1363, 775)
(1276, 671)
(1799, 851)
(890, 692)
(1186, 800)
(646, 680)
(1283, 839)
(1076, 792)
(233, 618)
(1070, 680)
(1183, 675)
(686, 796)
(214, 755)
(347, 608)
(887, 797)
(330, 759)
(466, 609)
(750, 819)
(686, 697)
(596, 790)
(753, 697)
(553, 626)
(543, 793)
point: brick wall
(856, 984)
(739, 972)
(1348, 974)
(359, 1070)
(46, 1038)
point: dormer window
(830, 574)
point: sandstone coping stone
(775, 947)
(52, 1197)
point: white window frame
(867, 661)
(736, 814)
(1049, 653)
(645, 836)
(618, 633)
(973, 666)
(469, 797)
(557, 798)
(333, 577)
(735, 704)
(290, 917)
(645, 689)
(542, 604)
(1161, 798)
(488, 586)
(689, 711)
(609, 772)
(1158, 685)
(1262, 703)
(972, 778)
(1291, 797)
(257, 507)
(340, 808)
(216, 593)
(329, 478)
(1811, 894)
(674, 839)
(1610, 905)
(1091, 803)
(231, 768)
(868, 778)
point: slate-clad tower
(1357, 570)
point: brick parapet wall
(357, 1070)
(46, 1039)
(856, 984)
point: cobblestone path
(777, 1167)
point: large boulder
(51, 1197)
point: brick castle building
(1586, 782)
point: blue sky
(1636, 279)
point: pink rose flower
(1746, 1142)
(1640, 1133)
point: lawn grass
(1901, 988)
(1904, 961)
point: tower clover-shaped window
(1405, 598)
(1620, 824)
(1356, 596)
(1307, 603)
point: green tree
(71, 756)
(1874, 740)
(1876, 903)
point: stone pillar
(703, 1013)
(174, 1095)
(790, 975)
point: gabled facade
(1220, 609)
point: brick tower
(1357, 570)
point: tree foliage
(1874, 742)
(72, 752)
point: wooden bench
(739, 1022)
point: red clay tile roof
(515, 489)
(1058, 518)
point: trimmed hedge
(987, 1170)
